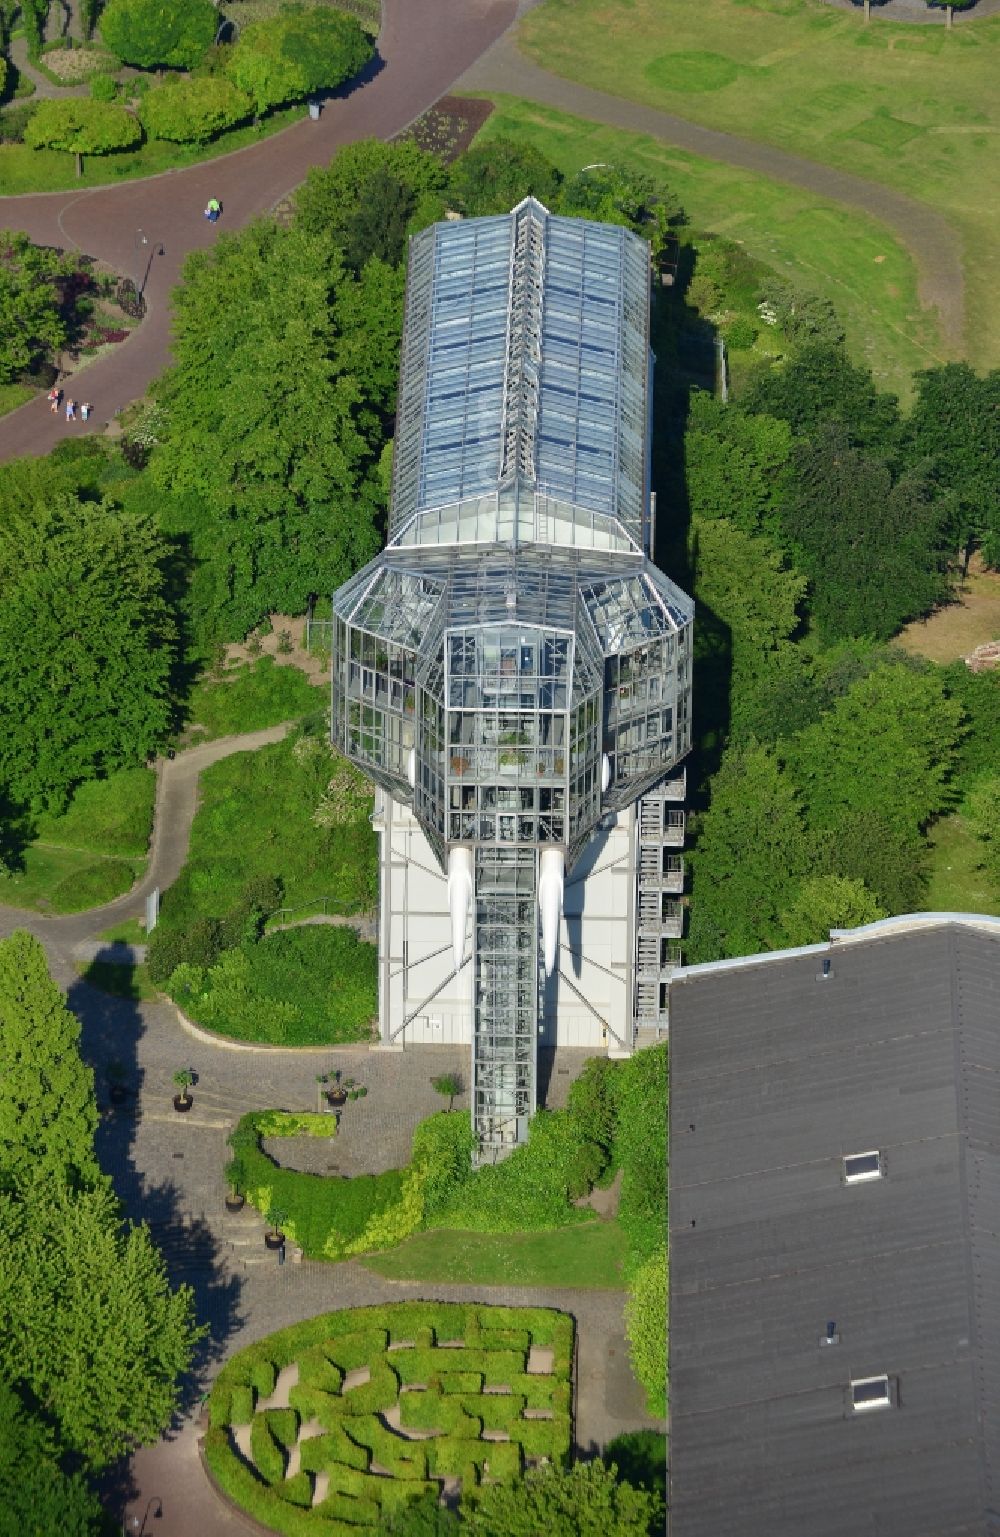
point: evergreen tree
(37, 1498)
(47, 1111)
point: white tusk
(551, 868)
(460, 868)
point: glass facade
(512, 665)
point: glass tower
(512, 671)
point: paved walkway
(424, 45)
(927, 235)
(169, 1171)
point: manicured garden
(331, 1424)
(914, 107)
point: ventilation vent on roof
(862, 1166)
(872, 1393)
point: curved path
(927, 235)
(424, 45)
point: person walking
(71, 410)
(85, 411)
(53, 400)
(213, 209)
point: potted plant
(336, 1093)
(235, 1199)
(275, 1238)
(448, 1085)
(115, 1074)
(183, 1078)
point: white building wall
(415, 952)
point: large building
(834, 1214)
(512, 671)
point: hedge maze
(323, 1427)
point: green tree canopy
(826, 902)
(193, 110)
(746, 582)
(887, 747)
(891, 863)
(151, 34)
(585, 1500)
(735, 462)
(31, 321)
(493, 177)
(39, 1498)
(750, 849)
(366, 198)
(820, 384)
(278, 409)
(86, 642)
(296, 52)
(646, 1328)
(91, 1327)
(81, 127)
(614, 195)
(954, 431)
(874, 549)
(47, 1112)
(982, 808)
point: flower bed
(376, 1405)
(71, 66)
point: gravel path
(927, 235)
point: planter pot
(118, 1094)
(235, 1202)
(181, 1105)
(337, 1098)
(273, 1240)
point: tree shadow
(374, 67)
(111, 1029)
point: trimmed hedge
(446, 1344)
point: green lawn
(90, 854)
(819, 246)
(956, 885)
(130, 932)
(49, 170)
(588, 1255)
(121, 981)
(14, 395)
(261, 694)
(913, 107)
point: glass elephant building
(512, 671)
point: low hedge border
(355, 1436)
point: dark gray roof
(776, 1075)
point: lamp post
(141, 243)
(133, 1527)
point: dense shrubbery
(400, 1344)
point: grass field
(912, 107)
(819, 246)
(952, 633)
(261, 694)
(14, 395)
(956, 885)
(91, 853)
(590, 1255)
(50, 170)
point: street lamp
(141, 242)
(133, 1527)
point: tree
(887, 747)
(278, 409)
(91, 1327)
(953, 431)
(639, 1089)
(746, 582)
(749, 846)
(81, 127)
(820, 384)
(875, 550)
(38, 1497)
(424, 1516)
(447, 1085)
(47, 1111)
(31, 321)
(828, 902)
(803, 317)
(297, 52)
(613, 195)
(646, 1328)
(367, 197)
(152, 35)
(735, 463)
(86, 643)
(193, 110)
(891, 863)
(493, 177)
(586, 1500)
